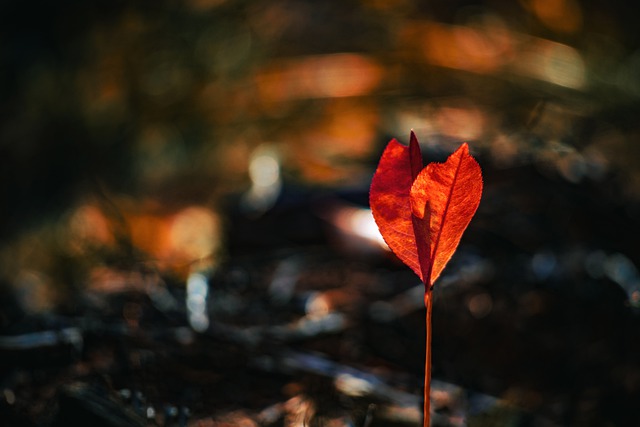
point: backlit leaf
(422, 213)
(389, 200)
(446, 196)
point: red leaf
(390, 203)
(446, 196)
(422, 215)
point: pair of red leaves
(422, 212)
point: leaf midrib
(444, 218)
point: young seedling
(422, 213)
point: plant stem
(428, 302)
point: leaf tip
(413, 140)
(415, 155)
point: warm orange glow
(346, 129)
(174, 240)
(464, 122)
(340, 138)
(494, 48)
(324, 76)
(178, 239)
(88, 226)
(193, 234)
(560, 15)
(149, 233)
(477, 49)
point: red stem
(428, 302)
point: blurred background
(184, 228)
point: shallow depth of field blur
(184, 212)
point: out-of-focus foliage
(124, 114)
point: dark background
(144, 142)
